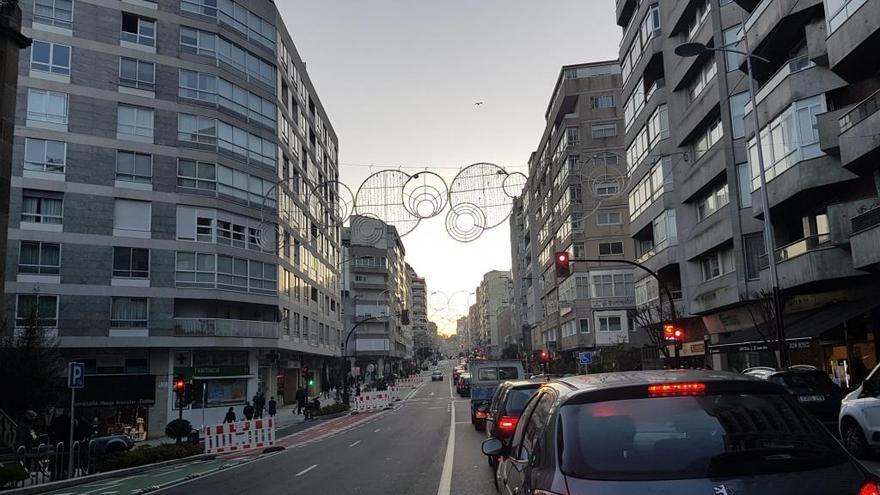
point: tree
(31, 366)
(651, 318)
(762, 311)
(178, 429)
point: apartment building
(419, 314)
(492, 306)
(377, 299)
(694, 196)
(574, 201)
(159, 146)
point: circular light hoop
(481, 185)
(465, 229)
(381, 197)
(366, 228)
(425, 195)
(514, 184)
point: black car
(812, 388)
(676, 431)
(507, 404)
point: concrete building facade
(170, 213)
(493, 298)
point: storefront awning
(799, 328)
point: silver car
(682, 432)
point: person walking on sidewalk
(259, 405)
(248, 411)
(273, 407)
(300, 400)
(230, 416)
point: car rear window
(517, 400)
(498, 373)
(805, 383)
(692, 437)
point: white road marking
(462, 422)
(377, 430)
(445, 487)
(352, 445)
(306, 470)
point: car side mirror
(494, 447)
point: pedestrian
(230, 416)
(248, 411)
(59, 429)
(273, 407)
(24, 432)
(259, 405)
(300, 400)
(357, 389)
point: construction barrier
(409, 382)
(240, 436)
(394, 392)
(371, 401)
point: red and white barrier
(240, 436)
(371, 401)
(394, 392)
(409, 382)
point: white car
(860, 417)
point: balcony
(216, 327)
(712, 295)
(860, 130)
(661, 255)
(576, 341)
(853, 33)
(866, 239)
(774, 25)
(812, 260)
(797, 79)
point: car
(812, 388)
(485, 378)
(110, 444)
(673, 431)
(507, 404)
(455, 372)
(463, 386)
(859, 420)
(437, 376)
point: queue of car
(677, 431)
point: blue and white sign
(76, 375)
(585, 357)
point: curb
(56, 485)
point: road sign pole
(70, 445)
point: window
(54, 12)
(41, 207)
(613, 285)
(664, 230)
(245, 144)
(712, 201)
(136, 73)
(128, 312)
(204, 7)
(602, 101)
(135, 121)
(39, 310)
(710, 135)
(700, 14)
(651, 187)
(134, 167)
(717, 264)
(198, 42)
(584, 325)
(212, 45)
(603, 130)
(196, 129)
(743, 185)
(40, 258)
(606, 187)
(575, 194)
(577, 223)
(732, 36)
(702, 79)
(131, 218)
(655, 130)
(43, 155)
(197, 85)
(196, 175)
(610, 248)
(50, 57)
(232, 273)
(648, 28)
(131, 262)
(755, 251)
(138, 30)
(195, 270)
(244, 187)
(737, 114)
(578, 251)
(608, 218)
(246, 22)
(47, 106)
(609, 323)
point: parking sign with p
(76, 375)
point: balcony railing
(867, 219)
(794, 65)
(862, 111)
(216, 327)
(802, 246)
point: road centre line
(306, 470)
(445, 487)
(352, 445)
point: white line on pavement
(306, 470)
(377, 430)
(352, 445)
(445, 487)
(462, 422)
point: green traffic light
(311, 382)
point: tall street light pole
(696, 49)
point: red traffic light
(563, 261)
(544, 356)
(562, 257)
(672, 332)
(179, 385)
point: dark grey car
(682, 432)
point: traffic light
(179, 385)
(672, 333)
(311, 379)
(180, 388)
(563, 261)
(543, 356)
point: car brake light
(676, 389)
(869, 488)
(507, 424)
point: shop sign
(118, 390)
(757, 347)
(613, 302)
(211, 371)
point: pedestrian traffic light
(563, 264)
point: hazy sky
(399, 79)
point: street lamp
(696, 49)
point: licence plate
(811, 398)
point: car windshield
(692, 437)
(805, 383)
(498, 373)
(517, 400)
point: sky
(399, 80)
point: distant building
(493, 306)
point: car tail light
(507, 425)
(676, 389)
(481, 414)
(870, 487)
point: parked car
(112, 443)
(437, 376)
(507, 404)
(485, 378)
(860, 417)
(812, 388)
(463, 385)
(455, 372)
(684, 432)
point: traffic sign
(585, 357)
(76, 375)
